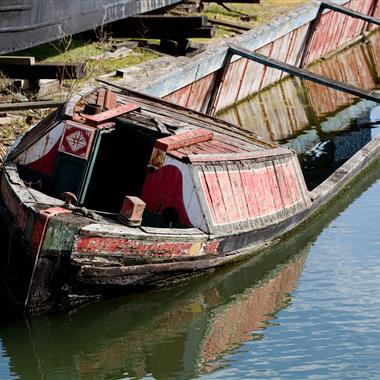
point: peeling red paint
(40, 224)
(108, 245)
(163, 189)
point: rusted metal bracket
(304, 74)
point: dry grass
(79, 51)
(265, 11)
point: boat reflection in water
(165, 334)
(325, 127)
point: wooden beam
(229, 24)
(159, 21)
(349, 12)
(162, 32)
(43, 71)
(30, 105)
(304, 74)
(17, 60)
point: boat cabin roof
(199, 133)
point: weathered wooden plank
(185, 115)
(227, 193)
(273, 189)
(184, 139)
(238, 193)
(58, 71)
(30, 105)
(170, 21)
(254, 155)
(163, 32)
(17, 60)
(110, 114)
(328, 82)
(213, 193)
(230, 24)
(250, 188)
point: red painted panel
(249, 186)
(267, 206)
(334, 29)
(230, 86)
(45, 164)
(286, 199)
(274, 188)
(131, 247)
(239, 194)
(200, 93)
(228, 196)
(108, 245)
(212, 190)
(249, 194)
(163, 189)
(291, 183)
(180, 96)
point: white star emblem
(76, 141)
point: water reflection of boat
(180, 332)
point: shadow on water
(168, 334)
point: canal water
(309, 309)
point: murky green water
(309, 309)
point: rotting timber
(212, 193)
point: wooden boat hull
(63, 255)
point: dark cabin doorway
(119, 169)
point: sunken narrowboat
(118, 190)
